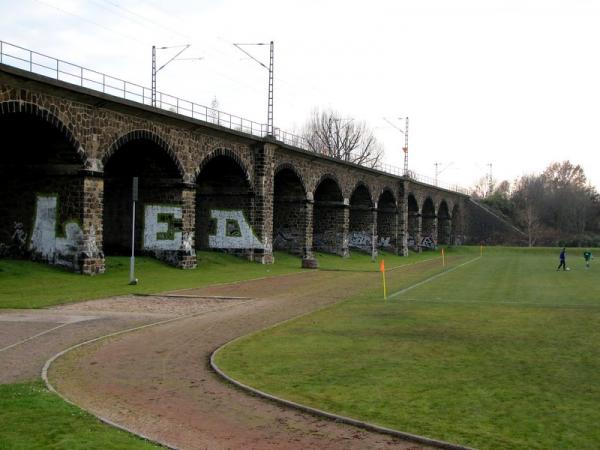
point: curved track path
(157, 381)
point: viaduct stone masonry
(68, 156)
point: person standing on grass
(562, 257)
(587, 255)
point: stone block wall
(98, 197)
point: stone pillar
(344, 227)
(402, 225)
(418, 233)
(434, 230)
(374, 236)
(90, 260)
(308, 258)
(264, 178)
(187, 254)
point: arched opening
(428, 225)
(457, 233)
(289, 212)
(159, 184)
(361, 231)
(224, 208)
(444, 224)
(328, 218)
(387, 218)
(41, 190)
(413, 223)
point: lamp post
(174, 58)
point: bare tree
(528, 196)
(479, 191)
(328, 133)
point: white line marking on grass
(34, 336)
(427, 280)
(402, 266)
(512, 303)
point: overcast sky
(514, 83)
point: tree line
(557, 207)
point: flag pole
(382, 269)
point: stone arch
(457, 230)
(360, 231)
(45, 115)
(145, 155)
(444, 223)
(328, 176)
(143, 135)
(387, 190)
(289, 210)
(42, 188)
(428, 224)
(226, 152)
(387, 220)
(365, 186)
(330, 215)
(297, 173)
(225, 204)
(414, 226)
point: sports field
(500, 351)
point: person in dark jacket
(563, 258)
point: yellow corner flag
(382, 269)
(443, 257)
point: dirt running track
(157, 381)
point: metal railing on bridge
(38, 63)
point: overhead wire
(80, 17)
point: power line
(145, 19)
(64, 11)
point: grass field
(500, 353)
(33, 418)
(26, 284)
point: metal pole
(132, 279)
(153, 75)
(406, 148)
(270, 104)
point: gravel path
(157, 381)
(28, 338)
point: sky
(511, 83)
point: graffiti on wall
(163, 235)
(426, 242)
(47, 245)
(232, 231)
(162, 227)
(17, 242)
(363, 240)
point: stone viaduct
(68, 155)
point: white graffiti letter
(43, 237)
(162, 227)
(232, 231)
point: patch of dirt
(157, 381)
(28, 338)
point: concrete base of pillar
(264, 258)
(92, 266)
(188, 262)
(310, 263)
